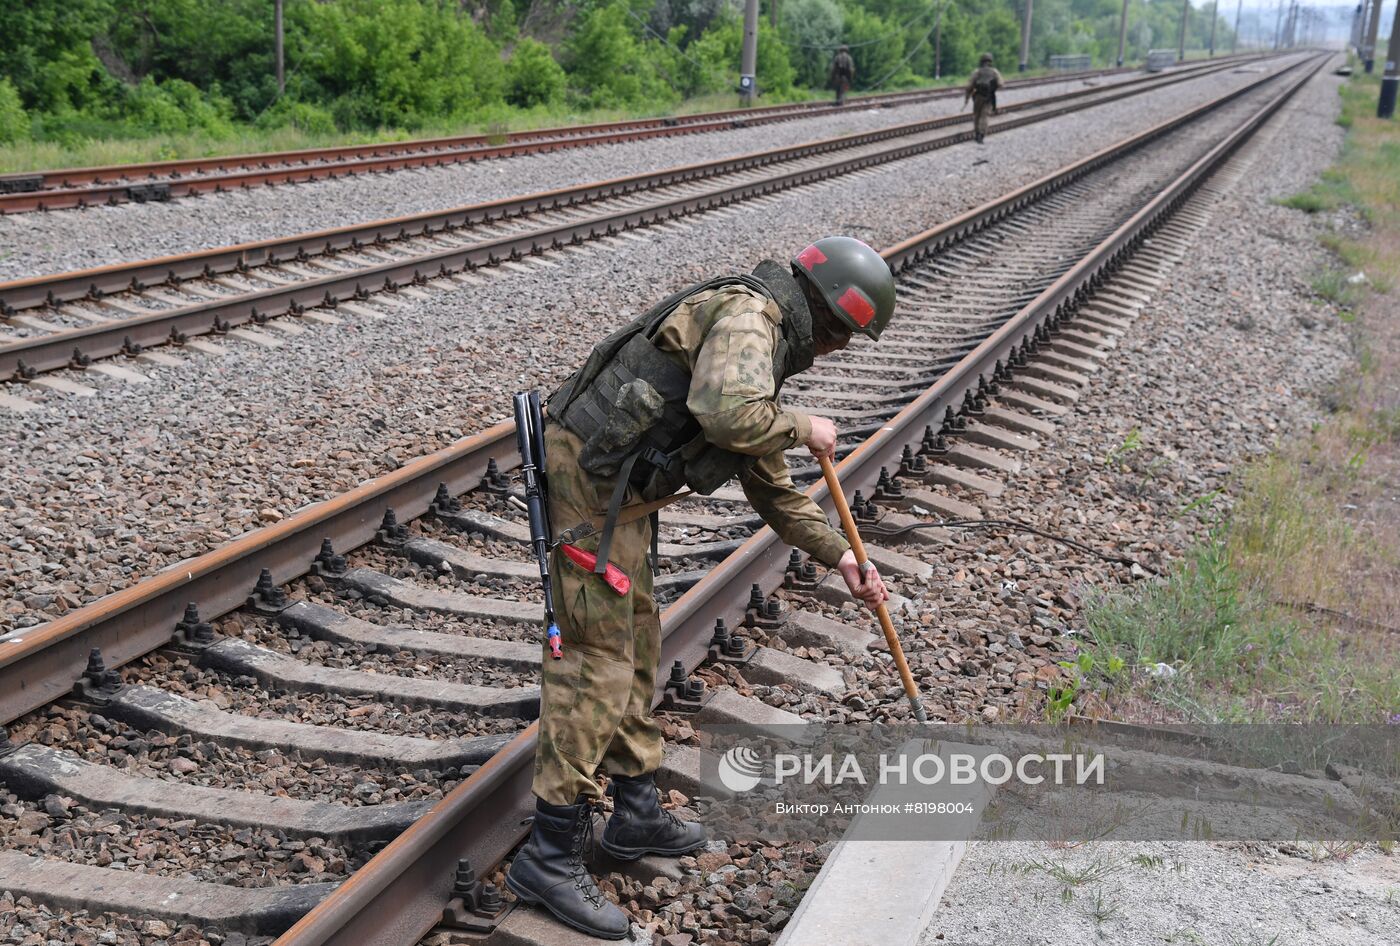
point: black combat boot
(639, 825)
(550, 871)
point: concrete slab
(692, 771)
(926, 535)
(980, 458)
(257, 338)
(776, 667)
(324, 623)
(1026, 401)
(373, 584)
(150, 707)
(897, 564)
(17, 404)
(729, 708)
(1046, 389)
(1043, 368)
(118, 373)
(946, 475)
(364, 311)
(59, 884)
(33, 771)
(281, 672)
(1018, 421)
(935, 503)
(883, 891)
(812, 630)
(322, 317)
(159, 358)
(204, 347)
(286, 326)
(63, 386)
(997, 437)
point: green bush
(303, 116)
(532, 76)
(610, 67)
(711, 63)
(812, 31)
(174, 106)
(14, 122)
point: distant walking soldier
(843, 73)
(684, 396)
(982, 89)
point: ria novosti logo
(740, 769)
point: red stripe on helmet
(857, 307)
(811, 257)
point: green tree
(812, 31)
(532, 75)
(14, 123)
(610, 67)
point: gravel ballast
(217, 446)
(65, 240)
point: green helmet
(855, 281)
(986, 59)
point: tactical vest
(628, 401)
(984, 84)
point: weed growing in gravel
(1286, 610)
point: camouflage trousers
(981, 111)
(595, 703)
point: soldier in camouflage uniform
(689, 392)
(843, 73)
(982, 89)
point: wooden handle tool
(848, 523)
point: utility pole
(1358, 27)
(1181, 36)
(748, 57)
(1214, 18)
(1390, 84)
(1235, 40)
(773, 13)
(1372, 35)
(1026, 37)
(1278, 26)
(277, 45)
(938, 41)
(1123, 32)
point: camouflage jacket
(979, 73)
(726, 339)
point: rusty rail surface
(379, 906)
(53, 351)
(163, 180)
(400, 893)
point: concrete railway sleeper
(426, 620)
(69, 320)
(164, 180)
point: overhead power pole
(1181, 36)
(277, 44)
(1026, 37)
(1214, 18)
(938, 40)
(748, 57)
(1278, 26)
(1390, 84)
(773, 13)
(1368, 55)
(1235, 40)
(1123, 32)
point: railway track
(68, 320)
(166, 180)
(1000, 309)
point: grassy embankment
(1314, 526)
(248, 139)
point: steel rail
(374, 907)
(57, 350)
(78, 187)
(40, 664)
(95, 282)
